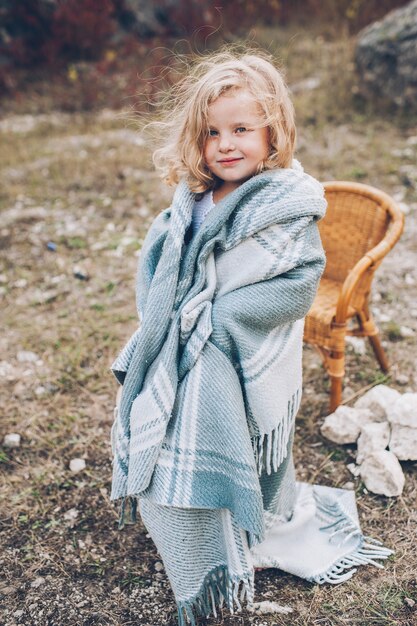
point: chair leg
(336, 370)
(370, 329)
(379, 352)
(335, 393)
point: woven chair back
(353, 224)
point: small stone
(349, 485)
(406, 331)
(143, 211)
(374, 436)
(357, 343)
(266, 607)
(40, 390)
(382, 474)
(12, 440)
(378, 401)
(159, 566)
(26, 356)
(401, 379)
(71, 514)
(78, 273)
(354, 469)
(344, 425)
(18, 613)
(8, 371)
(21, 283)
(409, 602)
(38, 582)
(116, 590)
(77, 465)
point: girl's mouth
(230, 161)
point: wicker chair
(361, 225)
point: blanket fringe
(270, 449)
(365, 555)
(343, 527)
(218, 588)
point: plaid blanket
(212, 380)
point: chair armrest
(372, 257)
(349, 286)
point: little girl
(203, 433)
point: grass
(99, 195)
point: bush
(54, 32)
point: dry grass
(81, 182)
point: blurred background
(77, 194)
(82, 54)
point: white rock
(406, 331)
(21, 283)
(37, 582)
(357, 343)
(8, 371)
(374, 436)
(12, 440)
(71, 514)
(382, 474)
(143, 211)
(265, 607)
(378, 400)
(401, 379)
(354, 469)
(403, 442)
(404, 411)
(344, 425)
(25, 356)
(77, 465)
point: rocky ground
(77, 195)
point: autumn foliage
(82, 41)
(55, 33)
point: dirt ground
(77, 193)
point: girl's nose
(226, 144)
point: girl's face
(234, 147)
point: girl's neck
(223, 190)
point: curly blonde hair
(184, 120)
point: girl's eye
(241, 129)
(212, 133)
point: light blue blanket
(212, 381)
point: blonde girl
(203, 433)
